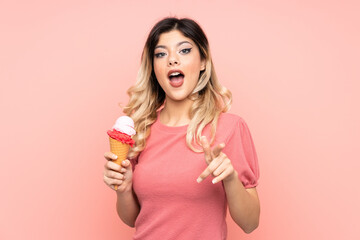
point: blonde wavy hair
(209, 97)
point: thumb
(126, 163)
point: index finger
(110, 156)
(204, 175)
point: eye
(158, 55)
(186, 50)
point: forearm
(244, 207)
(127, 206)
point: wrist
(124, 190)
(232, 177)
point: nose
(173, 61)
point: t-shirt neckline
(163, 127)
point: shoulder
(229, 120)
(228, 125)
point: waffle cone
(119, 149)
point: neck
(176, 113)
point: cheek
(195, 71)
(158, 70)
(194, 65)
(158, 74)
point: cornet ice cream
(120, 138)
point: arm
(127, 206)
(244, 206)
(243, 203)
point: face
(175, 54)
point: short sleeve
(240, 149)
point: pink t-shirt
(173, 204)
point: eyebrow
(163, 46)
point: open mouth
(176, 76)
(176, 79)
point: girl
(175, 184)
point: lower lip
(177, 83)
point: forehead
(172, 38)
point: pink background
(293, 69)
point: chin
(177, 98)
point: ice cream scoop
(125, 125)
(123, 130)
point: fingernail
(114, 156)
(199, 180)
(214, 181)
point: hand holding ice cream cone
(121, 138)
(117, 177)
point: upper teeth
(174, 73)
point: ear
(203, 64)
